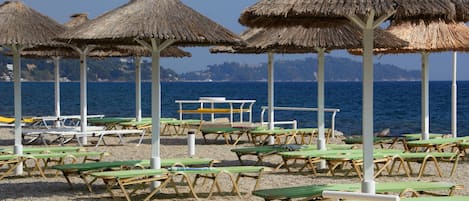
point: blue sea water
(397, 104)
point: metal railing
(332, 110)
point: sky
(226, 13)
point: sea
(396, 104)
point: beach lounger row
(166, 177)
(389, 142)
(286, 136)
(387, 158)
(42, 161)
(315, 191)
(84, 169)
(260, 152)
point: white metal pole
(425, 97)
(138, 89)
(321, 133)
(18, 148)
(454, 97)
(368, 184)
(57, 89)
(270, 94)
(83, 97)
(155, 105)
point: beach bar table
(245, 106)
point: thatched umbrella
(155, 25)
(21, 27)
(57, 50)
(426, 36)
(367, 14)
(299, 39)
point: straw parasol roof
(22, 25)
(291, 12)
(299, 39)
(162, 19)
(54, 48)
(427, 36)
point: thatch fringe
(19, 24)
(54, 48)
(287, 12)
(297, 39)
(162, 19)
(427, 36)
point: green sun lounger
(36, 150)
(180, 126)
(261, 136)
(438, 144)
(47, 158)
(418, 136)
(439, 198)
(84, 169)
(109, 122)
(131, 177)
(315, 191)
(127, 177)
(225, 132)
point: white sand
(56, 188)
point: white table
(230, 107)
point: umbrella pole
(454, 97)
(156, 47)
(425, 97)
(271, 94)
(321, 133)
(321, 136)
(57, 89)
(138, 89)
(368, 184)
(18, 148)
(83, 90)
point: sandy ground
(56, 188)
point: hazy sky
(226, 12)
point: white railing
(339, 195)
(293, 123)
(332, 110)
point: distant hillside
(337, 69)
(109, 69)
(115, 69)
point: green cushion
(181, 122)
(62, 155)
(437, 141)
(33, 150)
(409, 155)
(219, 130)
(209, 170)
(130, 173)
(359, 140)
(316, 190)
(109, 120)
(143, 163)
(418, 136)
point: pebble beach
(55, 187)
